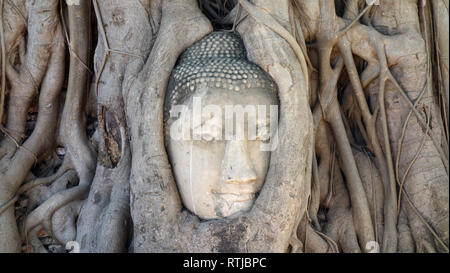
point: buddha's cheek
(196, 167)
(260, 161)
(205, 177)
(178, 154)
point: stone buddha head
(220, 110)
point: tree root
(65, 166)
(45, 68)
(44, 213)
(64, 227)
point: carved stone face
(217, 177)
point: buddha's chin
(229, 208)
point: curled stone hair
(218, 61)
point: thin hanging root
(326, 95)
(354, 21)
(3, 59)
(331, 243)
(236, 18)
(416, 156)
(387, 75)
(45, 211)
(315, 241)
(5, 206)
(402, 137)
(417, 212)
(420, 118)
(18, 146)
(298, 32)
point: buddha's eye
(263, 133)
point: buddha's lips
(232, 197)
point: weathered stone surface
(219, 60)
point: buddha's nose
(236, 164)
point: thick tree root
(44, 212)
